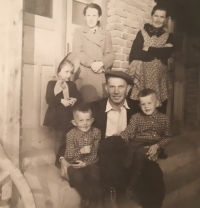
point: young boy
(81, 153)
(147, 129)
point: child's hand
(152, 150)
(72, 101)
(85, 149)
(146, 48)
(80, 164)
(153, 157)
(65, 102)
(168, 45)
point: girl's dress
(90, 47)
(149, 68)
(57, 115)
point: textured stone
(116, 64)
(118, 41)
(128, 36)
(117, 3)
(115, 26)
(120, 57)
(129, 44)
(143, 7)
(125, 65)
(131, 30)
(130, 23)
(117, 49)
(116, 33)
(114, 18)
(126, 50)
(120, 12)
(134, 17)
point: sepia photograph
(99, 103)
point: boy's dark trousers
(86, 181)
(147, 179)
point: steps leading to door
(181, 175)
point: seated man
(111, 114)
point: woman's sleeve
(163, 53)
(109, 55)
(50, 97)
(85, 60)
(136, 50)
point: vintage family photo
(100, 103)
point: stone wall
(125, 18)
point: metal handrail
(18, 179)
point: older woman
(150, 51)
(94, 49)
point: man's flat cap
(120, 74)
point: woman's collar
(151, 30)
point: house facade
(36, 35)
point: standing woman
(150, 51)
(93, 47)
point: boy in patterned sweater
(147, 132)
(81, 153)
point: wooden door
(43, 48)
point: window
(77, 13)
(39, 7)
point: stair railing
(10, 170)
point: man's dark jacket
(100, 118)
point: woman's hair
(63, 63)
(160, 7)
(94, 6)
(145, 92)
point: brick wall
(125, 18)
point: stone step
(49, 189)
(183, 150)
(37, 157)
(180, 174)
(182, 185)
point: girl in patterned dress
(150, 51)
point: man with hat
(111, 116)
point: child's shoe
(162, 154)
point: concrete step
(37, 147)
(49, 189)
(183, 150)
(181, 175)
(182, 185)
(37, 157)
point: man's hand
(80, 164)
(85, 149)
(96, 66)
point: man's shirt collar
(109, 106)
